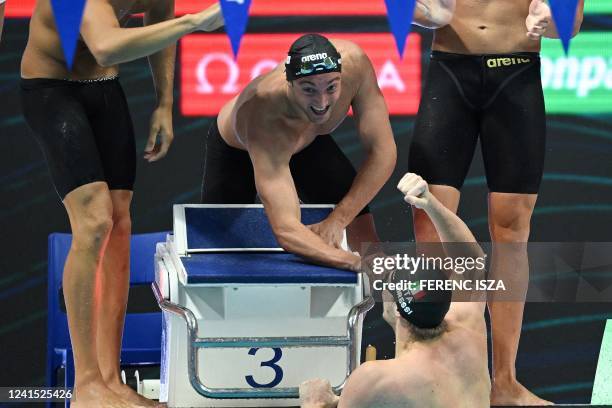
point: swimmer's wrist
(433, 204)
(192, 21)
(355, 263)
(165, 103)
(340, 216)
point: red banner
(210, 76)
(297, 8)
(23, 8)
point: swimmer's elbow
(434, 14)
(285, 235)
(440, 19)
(103, 53)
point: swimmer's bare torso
(448, 371)
(263, 103)
(486, 27)
(43, 56)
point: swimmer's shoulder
(376, 384)
(356, 64)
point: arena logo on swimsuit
(506, 62)
(210, 76)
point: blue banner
(68, 15)
(400, 14)
(564, 14)
(236, 16)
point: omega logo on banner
(210, 75)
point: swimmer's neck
(406, 341)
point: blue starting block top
(215, 227)
(233, 244)
(248, 267)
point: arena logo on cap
(210, 76)
(314, 57)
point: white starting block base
(251, 311)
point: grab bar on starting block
(195, 343)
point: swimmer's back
(486, 27)
(447, 372)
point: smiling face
(316, 95)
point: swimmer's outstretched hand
(415, 190)
(317, 393)
(210, 19)
(538, 19)
(160, 134)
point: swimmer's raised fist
(210, 19)
(415, 190)
(538, 19)
(317, 393)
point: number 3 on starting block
(278, 371)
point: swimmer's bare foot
(127, 393)
(97, 394)
(514, 393)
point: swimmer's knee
(91, 215)
(122, 222)
(510, 219)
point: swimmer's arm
(433, 13)
(1, 19)
(372, 120)
(162, 62)
(277, 192)
(450, 227)
(548, 28)
(110, 44)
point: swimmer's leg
(509, 223)
(114, 283)
(90, 210)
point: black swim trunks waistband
(442, 55)
(38, 83)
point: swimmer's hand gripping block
(233, 308)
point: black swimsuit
(495, 97)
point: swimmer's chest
(487, 8)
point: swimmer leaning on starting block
(273, 140)
(441, 347)
(83, 125)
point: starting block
(244, 323)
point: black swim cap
(424, 309)
(311, 54)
